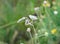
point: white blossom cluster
(28, 21)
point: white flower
(27, 22)
(45, 1)
(32, 17)
(23, 18)
(55, 12)
(46, 33)
(36, 34)
(21, 43)
(39, 31)
(28, 29)
(37, 8)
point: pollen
(53, 31)
(46, 4)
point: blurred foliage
(47, 26)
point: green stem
(6, 25)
